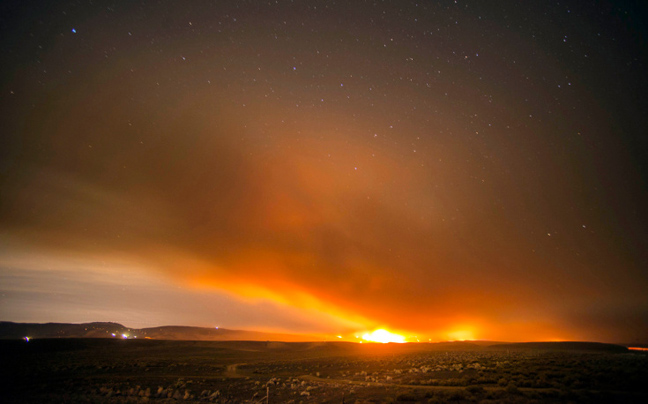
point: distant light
(339, 336)
(124, 336)
(73, 31)
(27, 339)
(113, 334)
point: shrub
(475, 390)
(457, 395)
(407, 397)
(512, 388)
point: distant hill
(562, 346)
(10, 330)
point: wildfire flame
(383, 336)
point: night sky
(445, 169)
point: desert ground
(153, 371)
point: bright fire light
(383, 336)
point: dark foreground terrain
(152, 371)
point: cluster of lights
(123, 336)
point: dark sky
(450, 169)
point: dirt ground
(150, 371)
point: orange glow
(310, 305)
(263, 275)
(461, 335)
(309, 268)
(383, 336)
